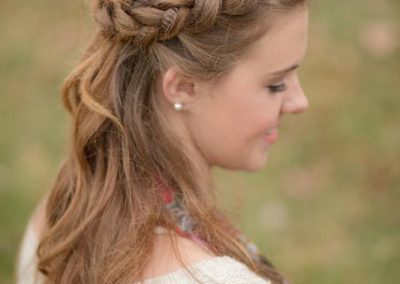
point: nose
(296, 101)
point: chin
(256, 165)
(255, 168)
(250, 166)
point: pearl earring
(178, 106)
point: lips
(271, 136)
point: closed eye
(277, 88)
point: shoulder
(205, 266)
(168, 248)
(219, 269)
(37, 220)
(27, 259)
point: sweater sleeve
(27, 259)
(222, 269)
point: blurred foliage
(325, 209)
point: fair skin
(164, 258)
(225, 124)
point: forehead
(283, 45)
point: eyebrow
(286, 70)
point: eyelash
(277, 88)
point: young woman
(166, 91)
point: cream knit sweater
(222, 269)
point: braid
(144, 22)
(212, 35)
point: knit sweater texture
(220, 269)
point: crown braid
(144, 22)
(121, 138)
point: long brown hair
(104, 204)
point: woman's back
(164, 265)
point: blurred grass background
(326, 207)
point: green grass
(325, 209)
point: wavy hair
(105, 202)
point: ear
(178, 88)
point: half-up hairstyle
(105, 203)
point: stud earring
(178, 106)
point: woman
(166, 91)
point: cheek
(219, 128)
(253, 118)
(238, 126)
(229, 129)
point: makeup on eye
(282, 86)
(277, 88)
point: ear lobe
(177, 87)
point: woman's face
(236, 122)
